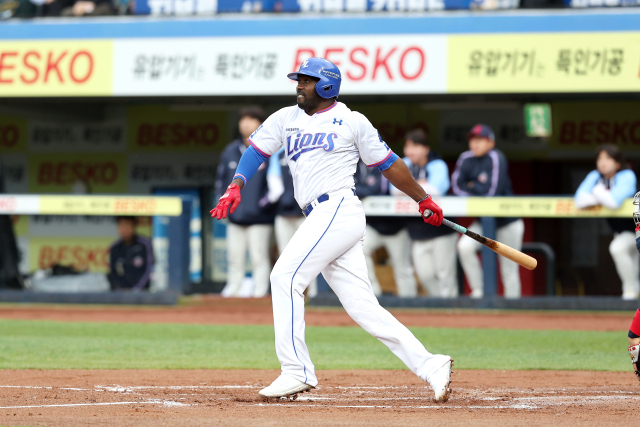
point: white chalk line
(68, 405)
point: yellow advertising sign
(582, 126)
(59, 173)
(161, 128)
(82, 253)
(559, 62)
(541, 207)
(56, 68)
(13, 134)
(110, 205)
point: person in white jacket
(609, 185)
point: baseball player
(433, 248)
(483, 171)
(634, 329)
(609, 185)
(288, 215)
(324, 140)
(386, 231)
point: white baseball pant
(511, 235)
(627, 260)
(399, 249)
(435, 264)
(285, 227)
(256, 238)
(330, 241)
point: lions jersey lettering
(322, 150)
(315, 141)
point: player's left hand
(231, 197)
(436, 216)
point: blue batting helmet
(326, 71)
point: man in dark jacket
(9, 255)
(389, 232)
(131, 258)
(251, 224)
(483, 171)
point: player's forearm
(247, 166)
(400, 176)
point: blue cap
(483, 131)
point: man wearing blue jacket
(251, 225)
(484, 171)
(609, 185)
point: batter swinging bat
(508, 252)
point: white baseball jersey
(323, 149)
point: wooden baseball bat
(508, 252)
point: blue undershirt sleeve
(249, 163)
(387, 163)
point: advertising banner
(61, 173)
(579, 127)
(575, 62)
(56, 68)
(158, 128)
(259, 65)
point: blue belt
(306, 211)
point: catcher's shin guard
(634, 350)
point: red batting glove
(435, 218)
(230, 197)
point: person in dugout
(483, 171)
(388, 232)
(289, 216)
(131, 258)
(609, 185)
(251, 225)
(433, 248)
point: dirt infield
(360, 398)
(216, 310)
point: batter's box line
(169, 403)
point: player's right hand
(426, 205)
(230, 197)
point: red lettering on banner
(73, 62)
(177, 134)
(405, 75)
(567, 132)
(382, 62)
(8, 204)
(297, 62)
(65, 173)
(602, 131)
(9, 135)
(619, 131)
(634, 132)
(329, 51)
(162, 128)
(584, 133)
(78, 256)
(54, 66)
(27, 64)
(353, 59)
(4, 66)
(135, 206)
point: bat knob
(427, 213)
